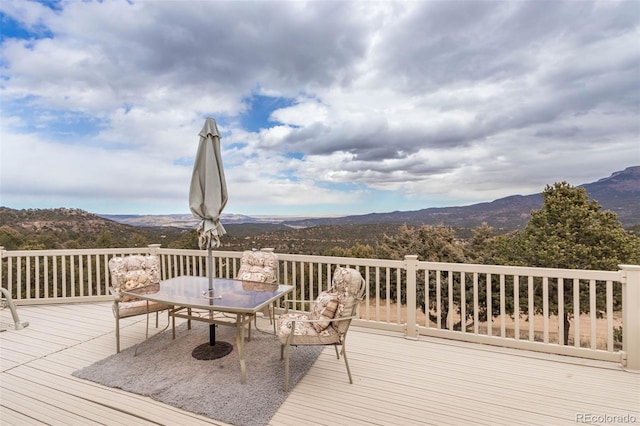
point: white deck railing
(408, 296)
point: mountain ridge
(619, 192)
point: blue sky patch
(261, 107)
(296, 155)
(184, 161)
(12, 29)
(63, 126)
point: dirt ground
(398, 314)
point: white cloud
(302, 114)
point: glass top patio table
(241, 298)
(233, 296)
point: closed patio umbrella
(208, 193)
(207, 198)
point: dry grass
(393, 313)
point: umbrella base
(206, 351)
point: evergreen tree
(434, 244)
(137, 240)
(362, 251)
(570, 231)
(104, 239)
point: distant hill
(66, 228)
(619, 193)
(189, 221)
(57, 220)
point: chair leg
(346, 363)
(173, 327)
(255, 321)
(117, 334)
(337, 353)
(286, 367)
(268, 310)
(287, 347)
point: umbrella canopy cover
(208, 192)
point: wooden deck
(396, 381)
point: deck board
(396, 380)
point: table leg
(240, 345)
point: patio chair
(327, 322)
(130, 272)
(259, 266)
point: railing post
(2, 251)
(153, 249)
(631, 316)
(411, 267)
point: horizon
(387, 106)
(311, 215)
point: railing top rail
(294, 257)
(198, 252)
(424, 265)
(72, 252)
(523, 271)
(354, 261)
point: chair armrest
(294, 321)
(323, 320)
(115, 294)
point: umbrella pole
(210, 271)
(212, 327)
(211, 349)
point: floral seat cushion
(305, 332)
(138, 307)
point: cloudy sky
(325, 107)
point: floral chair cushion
(304, 332)
(324, 308)
(346, 283)
(260, 266)
(132, 272)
